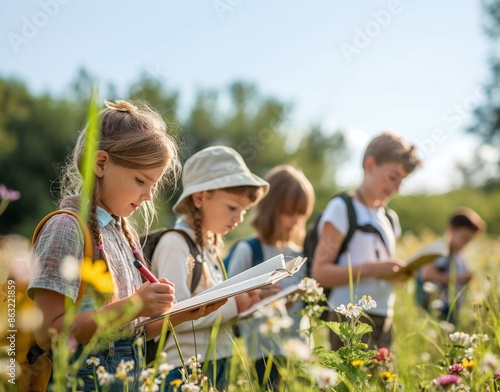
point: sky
(362, 67)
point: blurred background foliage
(38, 132)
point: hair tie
(135, 251)
(121, 106)
(100, 247)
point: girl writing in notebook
(134, 155)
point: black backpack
(150, 242)
(311, 238)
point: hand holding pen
(156, 298)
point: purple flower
(8, 194)
(449, 379)
(457, 368)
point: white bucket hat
(216, 167)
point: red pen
(145, 272)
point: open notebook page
(273, 264)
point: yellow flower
(121, 374)
(175, 383)
(468, 364)
(96, 274)
(357, 363)
(388, 376)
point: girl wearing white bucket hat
(218, 188)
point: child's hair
(468, 218)
(135, 137)
(212, 169)
(290, 192)
(389, 147)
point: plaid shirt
(62, 236)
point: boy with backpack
(369, 253)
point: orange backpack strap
(88, 243)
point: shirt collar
(104, 218)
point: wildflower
(96, 274)
(469, 364)
(296, 348)
(70, 268)
(275, 325)
(190, 388)
(350, 311)
(446, 326)
(164, 369)
(489, 361)
(324, 377)
(93, 361)
(382, 356)
(497, 375)
(123, 368)
(357, 363)
(460, 338)
(457, 368)
(469, 353)
(312, 291)
(367, 302)
(388, 376)
(9, 194)
(449, 379)
(29, 317)
(104, 377)
(146, 374)
(176, 383)
(150, 385)
(192, 362)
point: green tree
(487, 116)
(39, 134)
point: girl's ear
(102, 158)
(197, 199)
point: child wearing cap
(218, 188)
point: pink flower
(457, 368)
(9, 194)
(382, 356)
(449, 379)
(497, 375)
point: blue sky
(414, 67)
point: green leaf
(89, 153)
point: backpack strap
(88, 243)
(353, 223)
(195, 252)
(257, 254)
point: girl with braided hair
(134, 157)
(218, 188)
